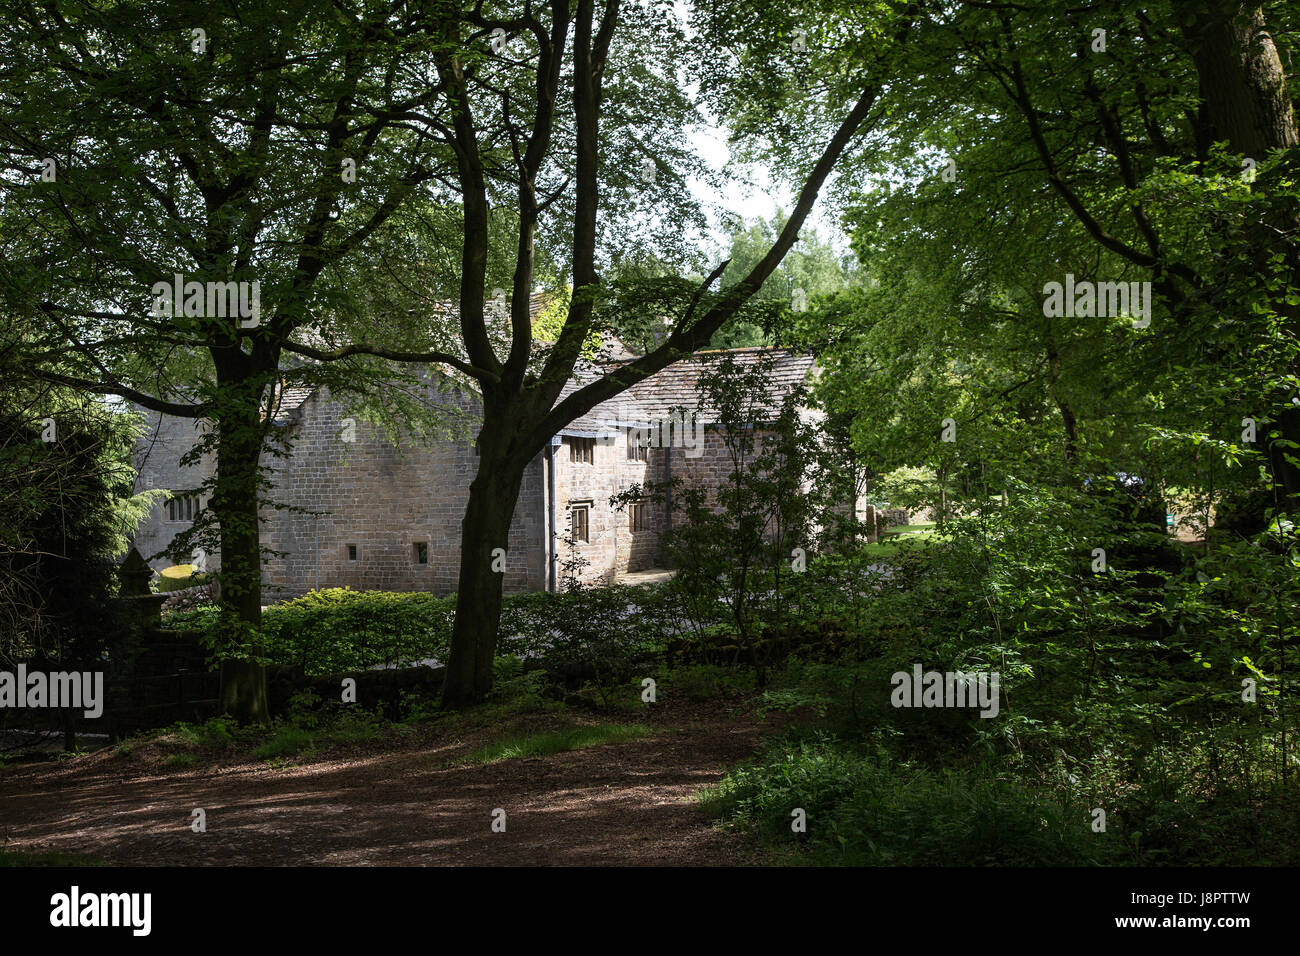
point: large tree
(1035, 140)
(280, 147)
(1146, 124)
(250, 144)
(581, 54)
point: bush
(863, 808)
(1121, 689)
(908, 488)
(614, 619)
(289, 741)
(700, 682)
(199, 618)
(338, 630)
(66, 512)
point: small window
(352, 552)
(582, 450)
(636, 445)
(637, 517)
(183, 506)
(421, 552)
(579, 523)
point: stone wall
(157, 461)
(384, 498)
(612, 547)
(881, 519)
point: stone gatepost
(145, 606)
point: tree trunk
(486, 527)
(943, 495)
(1068, 419)
(1247, 103)
(1242, 82)
(234, 501)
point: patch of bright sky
(752, 194)
(751, 191)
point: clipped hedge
(336, 630)
(339, 630)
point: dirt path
(616, 804)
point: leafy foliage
(66, 512)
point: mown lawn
(908, 535)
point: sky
(764, 198)
(761, 201)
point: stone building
(371, 513)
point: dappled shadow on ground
(616, 804)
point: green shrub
(288, 740)
(612, 623)
(863, 808)
(200, 618)
(355, 725)
(702, 682)
(217, 733)
(339, 630)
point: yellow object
(176, 577)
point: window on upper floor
(183, 506)
(582, 450)
(636, 445)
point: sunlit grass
(545, 744)
(918, 535)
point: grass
(892, 546)
(288, 741)
(918, 535)
(921, 527)
(865, 807)
(557, 741)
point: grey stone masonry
(376, 513)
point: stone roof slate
(291, 399)
(678, 386)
